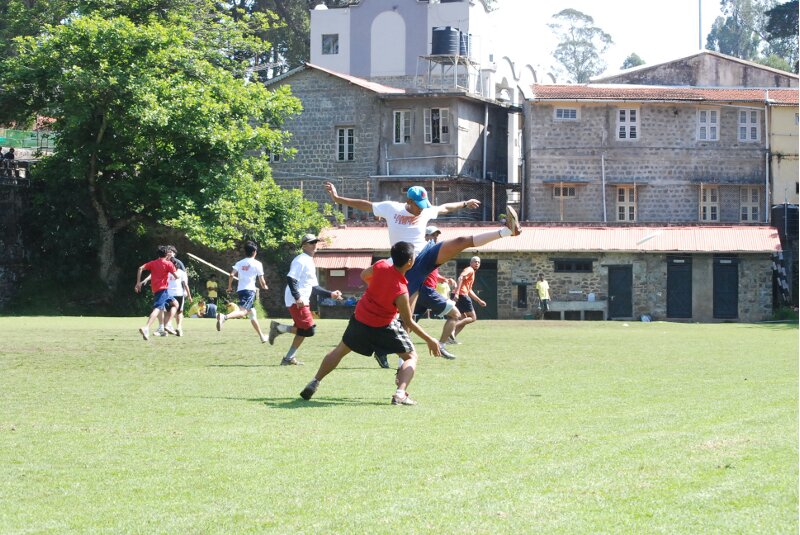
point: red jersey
(432, 279)
(376, 307)
(159, 269)
(468, 278)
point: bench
(577, 310)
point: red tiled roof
(563, 239)
(660, 93)
(343, 261)
(372, 86)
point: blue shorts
(432, 300)
(246, 299)
(161, 299)
(464, 304)
(423, 265)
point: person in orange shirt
(466, 296)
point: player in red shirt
(375, 327)
(159, 269)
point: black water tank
(445, 41)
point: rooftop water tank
(445, 41)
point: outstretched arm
(358, 204)
(454, 206)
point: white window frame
(345, 142)
(402, 127)
(628, 124)
(709, 203)
(708, 124)
(566, 114)
(626, 203)
(563, 192)
(750, 204)
(330, 44)
(437, 125)
(749, 126)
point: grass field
(537, 427)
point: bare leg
(466, 319)
(406, 371)
(450, 325)
(331, 360)
(256, 326)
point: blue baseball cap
(419, 196)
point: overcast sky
(657, 30)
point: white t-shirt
(304, 272)
(175, 283)
(248, 269)
(403, 225)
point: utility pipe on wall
(603, 179)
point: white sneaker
(220, 321)
(145, 332)
(179, 331)
(170, 330)
(159, 333)
(512, 221)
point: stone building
(681, 273)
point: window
(522, 296)
(437, 125)
(344, 142)
(749, 126)
(628, 124)
(573, 265)
(402, 126)
(566, 114)
(564, 191)
(749, 202)
(626, 203)
(707, 124)
(709, 204)
(330, 43)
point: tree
(632, 61)
(580, 44)
(757, 30)
(155, 124)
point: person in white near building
(178, 288)
(301, 284)
(249, 271)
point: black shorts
(464, 304)
(179, 299)
(367, 340)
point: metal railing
(27, 139)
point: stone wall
(666, 164)
(649, 271)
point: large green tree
(156, 122)
(580, 44)
(762, 31)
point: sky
(656, 30)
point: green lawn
(537, 427)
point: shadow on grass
(243, 366)
(299, 403)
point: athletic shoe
(273, 332)
(179, 331)
(445, 353)
(263, 339)
(405, 400)
(220, 321)
(170, 330)
(309, 390)
(145, 332)
(452, 341)
(160, 332)
(512, 221)
(291, 362)
(383, 362)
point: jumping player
(249, 271)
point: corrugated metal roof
(669, 93)
(565, 239)
(343, 261)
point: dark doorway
(620, 292)
(679, 286)
(485, 286)
(726, 288)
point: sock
(485, 237)
(505, 232)
(290, 353)
(284, 328)
(160, 326)
(400, 393)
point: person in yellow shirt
(211, 288)
(543, 289)
(198, 310)
(230, 307)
